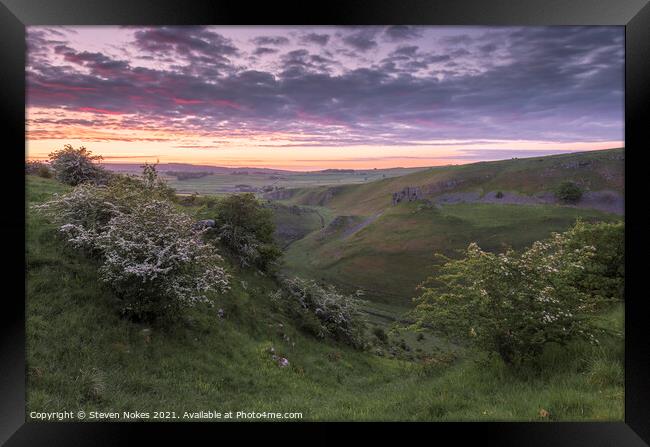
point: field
(242, 180)
(82, 355)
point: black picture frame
(16, 14)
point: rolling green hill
(595, 171)
(387, 250)
(81, 355)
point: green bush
(499, 195)
(568, 192)
(512, 304)
(380, 333)
(322, 311)
(604, 273)
(245, 228)
(88, 208)
(38, 168)
(75, 166)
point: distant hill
(381, 242)
(187, 167)
(531, 180)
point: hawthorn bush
(75, 166)
(156, 262)
(513, 304)
(87, 209)
(150, 254)
(245, 228)
(322, 311)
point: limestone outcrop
(408, 194)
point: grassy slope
(389, 257)
(527, 176)
(80, 354)
(293, 222)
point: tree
(568, 192)
(246, 229)
(512, 304)
(74, 166)
(155, 185)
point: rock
(408, 194)
(146, 335)
(207, 223)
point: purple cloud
(554, 83)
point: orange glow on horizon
(308, 158)
(116, 138)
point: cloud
(544, 83)
(261, 51)
(271, 40)
(362, 40)
(320, 39)
(402, 32)
(184, 40)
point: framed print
(359, 215)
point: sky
(308, 98)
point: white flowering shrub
(82, 213)
(157, 262)
(512, 304)
(75, 166)
(322, 311)
(151, 255)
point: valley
(387, 249)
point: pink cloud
(96, 110)
(187, 101)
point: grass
(293, 222)
(594, 170)
(392, 255)
(82, 355)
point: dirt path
(360, 226)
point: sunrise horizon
(314, 98)
(410, 164)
